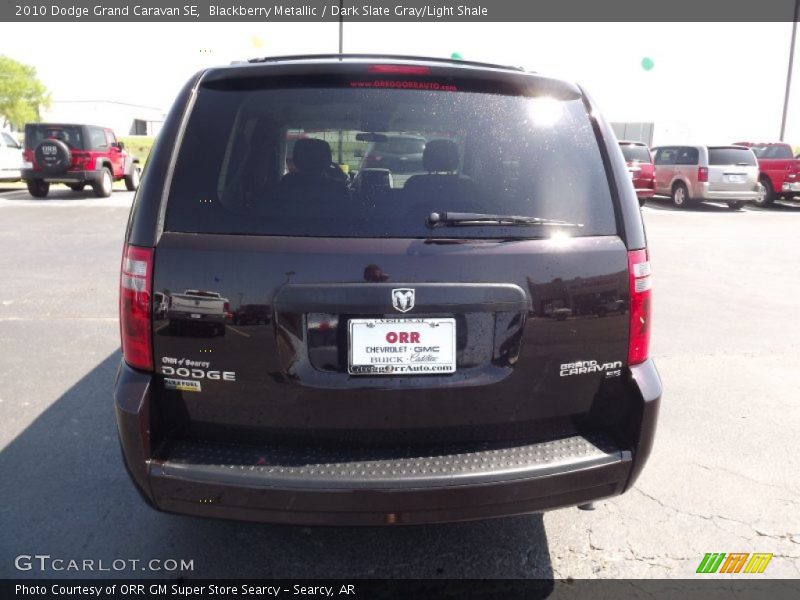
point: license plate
(194, 316)
(402, 346)
(735, 178)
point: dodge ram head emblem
(403, 299)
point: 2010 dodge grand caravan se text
(429, 347)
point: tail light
(702, 174)
(81, 161)
(135, 291)
(226, 308)
(640, 284)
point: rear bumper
(179, 315)
(10, 174)
(741, 195)
(791, 186)
(324, 487)
(67, 177)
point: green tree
(22, 95)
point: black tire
(77, 187)
(680, 195)
(642, 202)
(52, 156)
(38, 188)
(768, 197)
(132, 179)
(102, 187)
(735, 204)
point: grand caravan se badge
(403, 299)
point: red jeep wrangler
(76, 155)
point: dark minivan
(428, 350)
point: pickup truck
(779, 171)
(195, 306)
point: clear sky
(713, 83)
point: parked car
(640, 164)
(779, 171)
(10, 157)
(608, 306)
(409, 372)
(198, 307)
(400, 154)
(76, 155)
(251, 314)
(707, 173)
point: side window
(666, 156)
(777, 152)
(688, 156)
(9, 141)
(97, 138)
(110, 137)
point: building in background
(654, 134)
(123, 118)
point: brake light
(80, 161)
(135, 290)
(640, 284)
(702, 174)
(399, 69)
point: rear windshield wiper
(458, 219)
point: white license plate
(402, 346)
(735, 178)
(194, 316)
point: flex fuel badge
(184, 385)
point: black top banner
(398, 10)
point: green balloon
(647, 63)
(456, 56)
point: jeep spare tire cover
(52, 156)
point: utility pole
(791, 64)
(341, 48)
(341, 28)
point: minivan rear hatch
(391, 308)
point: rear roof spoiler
(389, 57)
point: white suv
(10, 157)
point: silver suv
(707, 173)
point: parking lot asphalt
(723, 476)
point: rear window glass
(773, 151)
(731, 156)
(633, 152)
(71, 135)
(359, 162)
(400, 145)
